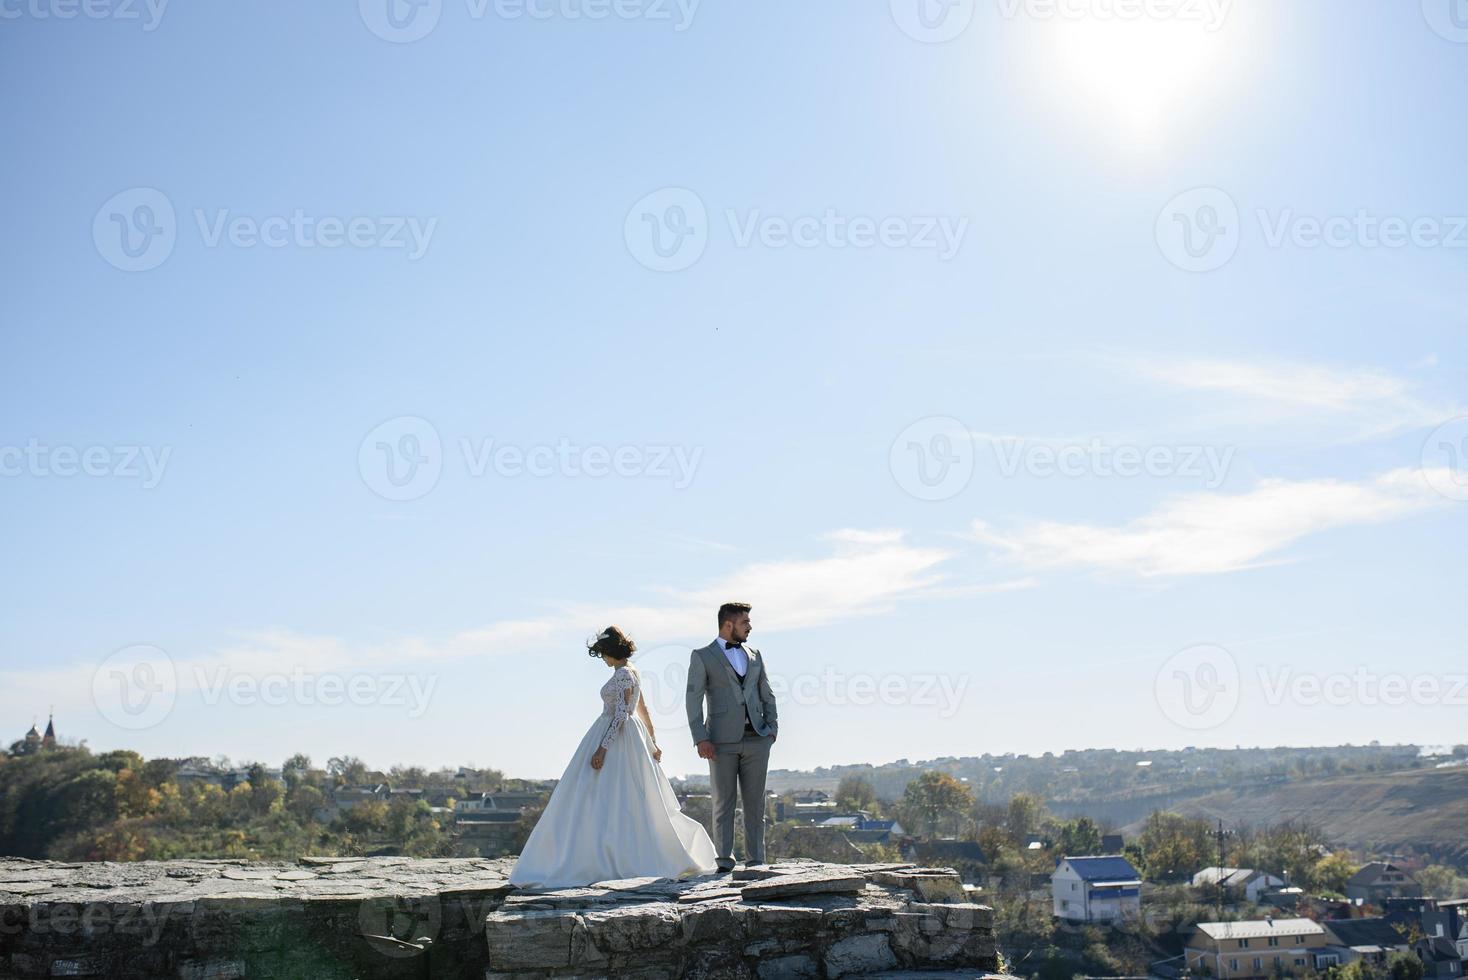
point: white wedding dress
(621, 821)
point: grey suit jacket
(711, 678)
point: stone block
(530, 940)
(859, 954)
(796, 967)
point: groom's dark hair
(732, 610)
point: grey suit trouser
(740, 766)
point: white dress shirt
(738, 659)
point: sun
(1140, 81)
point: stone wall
(391, 918)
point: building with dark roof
(1380, 880)
(1371, 939)
(1440, 958)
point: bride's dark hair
(613, 643)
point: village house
(1449, 920)
(1371, 939)
(344, 798)
(1096, 889)
(1246, 883)
(1258, 948)
(490, 833)
(502, 802)
(1440, 959)
(1379, 881)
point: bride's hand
(657, 753)
(598, 757)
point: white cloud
(1207, 533)
(1368, 403)
(868, 573)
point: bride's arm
(620, 712)
(646, 717)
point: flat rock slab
(830, 880)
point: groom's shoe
(724, 869)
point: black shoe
(725, 869)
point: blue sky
(909, 299)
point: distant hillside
(1422, 810)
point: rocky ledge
(391, 918)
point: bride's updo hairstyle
(613, 643)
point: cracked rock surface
(389, 917)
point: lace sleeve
(622, 692)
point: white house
(1248, 882)
(1096, 889)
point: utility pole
(1220, 869)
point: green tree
(1026, 811)
(935, 797)
(1404, 966)
(1175, 846)
(1330, 873)
(1080, 837)
(855, 793)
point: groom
(737, 733)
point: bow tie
(734, 646)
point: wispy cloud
(866, 573)
(1208, 533)
(1366, 403)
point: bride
(613, 814)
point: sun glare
(1140, 81)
